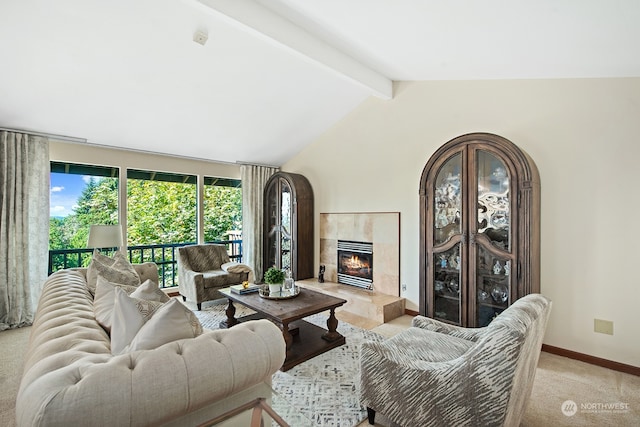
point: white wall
(584, 137)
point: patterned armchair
(202, 271)
(436, 374)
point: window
(161, 208)
(223, 214)
(81, 195)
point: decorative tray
(283, 294)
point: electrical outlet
(603, 326)
(404, 287)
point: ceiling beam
(261, 21)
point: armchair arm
(471, 334)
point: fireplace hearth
(355, 263)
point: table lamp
(105, 236)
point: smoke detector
(200, 37)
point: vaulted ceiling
(273, 75)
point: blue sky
(65, 191)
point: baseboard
(609, 364)
(411, 312)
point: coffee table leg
(231, 313)
(288, 338)
(332, 325)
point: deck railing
(164, 255)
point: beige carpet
(558, 380)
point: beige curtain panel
(24, 225)
(254, 178)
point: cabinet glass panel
(493, 286)
(493, 200)
(285, 226)
(448, 200)
(272, 226)
(446, 285)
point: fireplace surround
(381, 229)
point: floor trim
(605, 363)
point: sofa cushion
(407, 347)
(117, 269)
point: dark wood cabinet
(479, 229)
(288, 224)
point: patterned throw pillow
(150, 291)
(173, 321)
(144, 325)
(104, 299)
(129, 314)
(117, 270)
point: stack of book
(241, 289)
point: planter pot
(274, 288)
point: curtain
(24, 225)
(254, 178)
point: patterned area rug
(322, 391)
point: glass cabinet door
(272, 214)
(447, 240)
(279, 223)
(491, 277)
(285, 225)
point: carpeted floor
(320, 392)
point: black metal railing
(164, 255)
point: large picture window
(161, 208)
(81, 195)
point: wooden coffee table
(304, 340)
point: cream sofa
(71, 378)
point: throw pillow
(129, 314)
(150, 291)
(105, 298)
(173, 321)
(117, 269)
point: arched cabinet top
(527, 172)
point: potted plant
(274, 277)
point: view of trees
(157, 213)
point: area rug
(322, 391)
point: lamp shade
(105, 236)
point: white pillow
(129, 314)
(105, 298)
(173, 321)
(117, 269)
(150, 291)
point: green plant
(273, 276)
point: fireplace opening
(355, 263)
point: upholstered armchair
(204, 269)
(436, 374)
